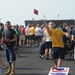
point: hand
(67, 35)
(3, 40)
(8, 40)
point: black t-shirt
(9, 34)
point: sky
(17, 11)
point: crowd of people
(52, 41)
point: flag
(35, 11)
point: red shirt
(22, 31)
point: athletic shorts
(58, 53)
(27, 37)
(10, 54)
(48, 45)
(38, 37)
(32, 37)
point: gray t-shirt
(9, 34)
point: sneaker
(47, 58)
(50, 58)
(41, 56)
(32, 46)
(36, 44)
(27, 45)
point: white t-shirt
(38, 31)
(27, 31)
(48, 38)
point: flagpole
(44, 17)
(58, 16)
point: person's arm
(15, 38)
(72, 37)
(65, 34)
(46, 25)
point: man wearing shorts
(57, 43)
(9, 39)
(32, 35)
(22, 35)
(38, 34)
(27, 34)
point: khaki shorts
(22, 37)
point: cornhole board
(60, 71)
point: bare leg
(32, 42)
(12, 68)
(9, 63)
(59, 62)
(46, 53)
(27, 42)
(9, 70)
(50, 53)
(12, 65)
(55, 61)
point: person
(27, 34)
(41, 48)
(57, 43)
(73, 37)
(1, 46)
(8, 39)
(65, 39)
(38, 34)
(22, 35)
(16, 29)
(32, 35)
(48, 45)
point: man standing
(27, 34)
(38, 34)
(32, 35)
(57, 43)
(22, 35)
(9, 38)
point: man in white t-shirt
(27, 34)
(38, 34)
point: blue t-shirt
(9, 34)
